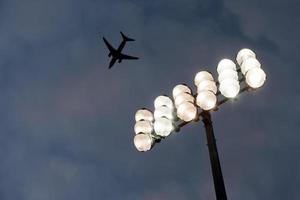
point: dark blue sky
(67, 122)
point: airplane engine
(120, 60)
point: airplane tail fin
(126, 38)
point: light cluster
(143, 129)
(184, 102)
(150, 127)
(251, 68)
(206, 90)
(163, 116)
(228, 78)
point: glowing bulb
(255, 77)
(249, 64)
(163, 111)
(183, 97)
(207, 85)
(178, 89)
(187, 111)
(201, 76)
(143, 142)
(206, 100)
(243, 55)
(163, 101)
(226, 64)
(163, 126)
(143, 127)
(143, 114)
(229, 88)
(228, 74)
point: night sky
(67, 121)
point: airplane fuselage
(116, 55)
(122, 45)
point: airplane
(116, 53)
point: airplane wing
(111, 49)
(127, 57)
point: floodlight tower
(170, 115)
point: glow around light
(229, 88)
(248, 64)
(143, 127)
(143, 142)
(163, 126)
(255, 77)
(163, 111)
(207, 85)
(226, 64)
(206, 100)
(228, 74)
(187, 111)
(183, 97)
(243, 55)
(178, 89)
(201, 76)
(143, 114)
(163, 101)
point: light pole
(214, 157)
(170, 115)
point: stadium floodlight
(144, 114)
(251, 69)
(206, 90)
(255, 78)
(143, 142)
(163, 126)
(170, 115)
(187, 111)
(181, 88)
(143, 129)
(229, 85)
(163, 116)
(163, 101)
(184, 102)
(243, 55)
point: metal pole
(214, 158)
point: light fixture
(163, 116)
(228, 74)
(228, 78)
(206, 90)
(251, 68)
(249, 64)
(163, 126)
(163, 101)
(187, 111)
(184, 103)
(181, 88)
(143, 142)
(143, 114)
(225, 64)
(243, 55)
(151, 129)
(229, 88)
(163, 111)
(206, 100)
(203, 75)
(182, 97)
(255, 77)
(143, 129)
